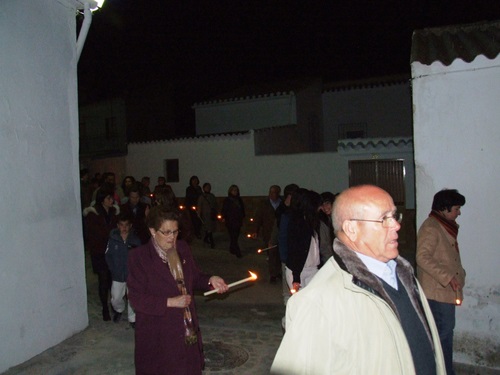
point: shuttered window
(387, 174)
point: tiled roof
(466, 42)
(374, 144)
(259, 90)
(367, 83)
(290, 87)
(241, 98)
(206, 137)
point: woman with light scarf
(439, 268)
(162, 278)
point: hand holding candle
(266, 249)
(458, 301)
(251, 278)
(295, 288)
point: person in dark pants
(193, 192)
(207, 209)
(265, 220)
(100, 219)
(439, 268)
(233, 212)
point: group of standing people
(357, 307)
(365, 311)
(137, 251)
(298, 233)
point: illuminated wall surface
(456, 138)
(42, 274)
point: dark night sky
(191, 51)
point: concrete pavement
(241, 330)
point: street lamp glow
(96, 4)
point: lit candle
(251, 278)
(193, 208)
(266, 249)
(251, 219)
(458, 301)
(219, 217)
(181, 207)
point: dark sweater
(420, 346)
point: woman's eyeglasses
(168, 233)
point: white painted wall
(456, 141)
(226, 160)
(42, 275)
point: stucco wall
(226, 160)
(42, 274)
(456, 142)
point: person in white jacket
(364, 311)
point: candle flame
(249, 235)
(293, 291)
(181, 207)
(193, 208)
(219, 217)
(458, 301)
(259, 251)
(251, 219)
(254, 276)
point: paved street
(241, 330)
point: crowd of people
(138, 242)
(353, 304)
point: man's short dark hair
(447, 198)
(125, 216)
(134, 188)
(289, 189)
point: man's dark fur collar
(362, 277)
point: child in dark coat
(121, 241)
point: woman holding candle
(162, 277)
(303, 257)
(439, 268)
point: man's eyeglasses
(167, 233)
(387, 221)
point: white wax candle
(266, 249)
(253, 277)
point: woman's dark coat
(159, 330)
